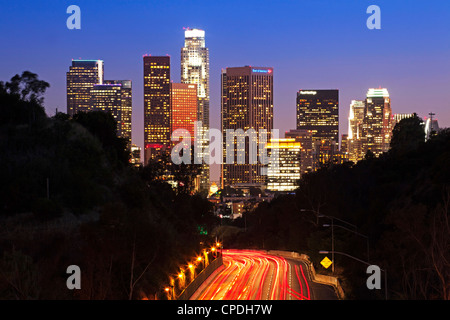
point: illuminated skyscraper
(378, 121)
(195, 70)
(370, 124)
(318, 111)
(114, 96)
(157, 119)
(304, 137)
(247, 104)
(127, 106)
(355, 136)
(283, 175)
(82, 76)
(183, 107)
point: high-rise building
(157, 120)
(247, 106)
(370, 124)
(82, 76)
(355, 137)
(378, 121)
(318, 111)
(127, 107)
(431, 126)
(195, 70)
(304, 137)
(283, 172)
(114, 96)
(183, 101)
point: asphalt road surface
(256, 275)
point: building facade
(355, 136)
(246, 108)
(183, 101)
(318, 111)
(195, 70)
(304, 137)
(114, 96)
(157, 120)
(378, 121)
(81, 77)
(284, 171)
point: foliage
(69, 196)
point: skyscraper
(284, 174)
(82, 76)
(304, 137)
(318, 112)
(183, 101)
(355, 136)
(370, 124)
(157, 120)
(378, 121)
(115, 96)
(195, 70)
(247, 104)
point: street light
(359, 260)
(357, 233)
(334, 218)
(167, 290)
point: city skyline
(225, 150)
(408, 50)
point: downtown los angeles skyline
(320, 45)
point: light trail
(256, 275)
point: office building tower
(114, 96)
(195, 70)
(284, 173)
(82, 76)
(247, 106)
(183, 101)
(431, 126)
(127, 107)
(378, 121)
(157, 120)
(318, 111)
(355, 137)
(304, 137)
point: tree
(21, 99)
(103, 126)
(26, 86)
(407, 135)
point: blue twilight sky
(311, 44)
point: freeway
(256, 275)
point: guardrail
(200, 278)
(320, 278)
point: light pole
(362, 261)
(334, 218)
(359, 234)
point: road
(256, 275)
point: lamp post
(357, 233)
(334, 218)
(362, 261)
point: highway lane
(256, 275)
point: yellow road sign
(326, 262)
